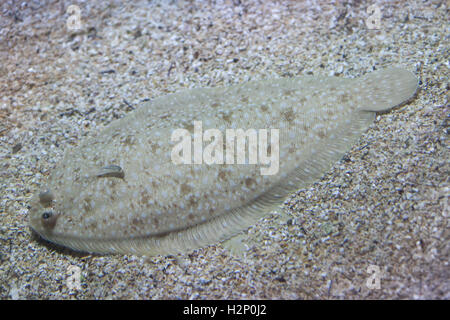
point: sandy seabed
(383, 208)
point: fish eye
(49, 219)
(47, 215)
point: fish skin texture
(119, 192)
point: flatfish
(170, 176)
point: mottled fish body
(120, 192)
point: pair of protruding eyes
(46, 197)
(48, 217)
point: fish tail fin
(386, 89)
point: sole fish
(135, 188)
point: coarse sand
(375, 227)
